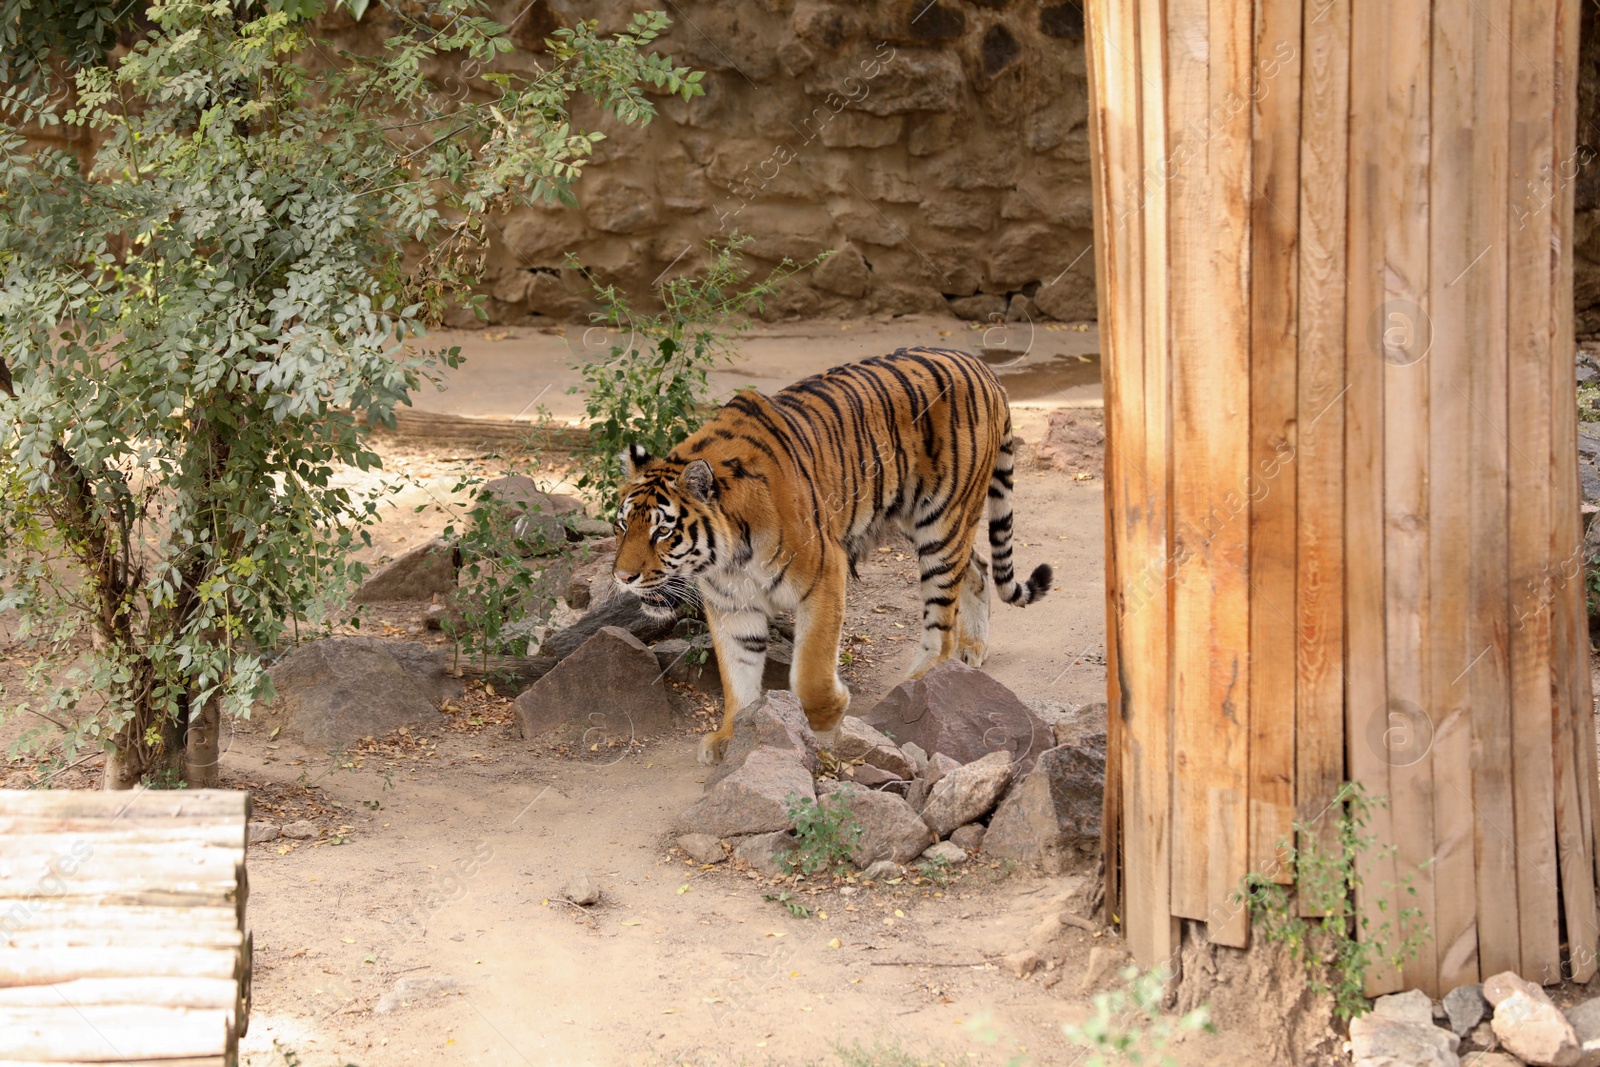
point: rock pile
(1039, 807)
(1525, 1027)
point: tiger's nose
(624, 577)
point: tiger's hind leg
(944, 560)
(972, 622)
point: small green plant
(826, 835)
(1339, 948)
(654, 388)
(504, 547)
(1129, 1026)
(935, 870)
(790, 903)
(167, 778)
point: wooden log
(122, 926)
(114, 1033)
(505, 435)
(170, 992)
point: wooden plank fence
(1343, 541)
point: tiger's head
(669, 526)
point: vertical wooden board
(1155, 633)
(1452, 194)
(1406, 342)
(1272, 478)
(1366, 706)
(1188, 48)
(1320, 423)
(1574, 789)
(1489, 794)
(1529, 422)
(1136, 574)
(1209, 224)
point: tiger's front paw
(712, 747)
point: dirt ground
(440, 860)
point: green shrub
(826, 835)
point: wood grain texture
(1453, 194)
(1575, 783)
(1272, 479)
(1320, 423)
(1529, 424)
(1366, 692)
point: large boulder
(608, 690)
(1585, 1020)
(418, 573)
(624, 612)
(1398, 1037)
(963, 713)
(775, 721)
(540, 522)
(340, 689)
(1528, 1023)
(754, 799)
(890, 829)
(967, 793)
(1052, 819)
(591, 584)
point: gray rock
(429, 668)
(962, 713)
(947, 852)
(890, 829)
(303, 830)
(967, 793)
(968, 837)
(623, 611)
(917, 794)
(767, 854)
(1052, 819)
(1528, 1025)
(590, 585)
(918, 758)
(581, 888)
(1465, 1007)
(917, 80)
(937, 767)
(417, 573)
(702, 848)
(868, 775)
(1378, 1040)
(754, 799)
(882, 871)
(1585, 1020)
(593, 527)
(858, 741)
(411, 989)
(340, 689)
(984, 307)
(264, 831)
(775, 721)
(1489, 1059)
(607, 692)
(1411, 1006)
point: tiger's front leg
(740, 638)
(818, 623)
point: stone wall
(938, 149)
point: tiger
(772, 503)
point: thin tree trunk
(204, 752)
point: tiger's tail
(1005, 580)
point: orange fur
(768, 507)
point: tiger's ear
(698, 481)
(634, 459)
